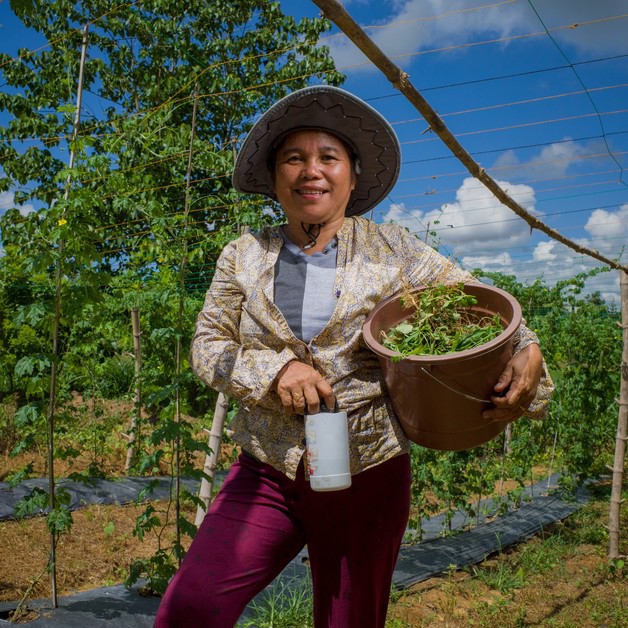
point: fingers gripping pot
(327, 449)
(439, 399)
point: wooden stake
(622, 430)
(52, 399)
(136, 418)
(211, 460)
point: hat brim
(342, 114)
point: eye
(328, 158)
(293, 159)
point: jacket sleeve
(218, 356)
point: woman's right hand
(299, 386)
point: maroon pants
(261, 519)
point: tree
(145, 61)
(146, 64)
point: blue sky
(540, 99)
(536, 91)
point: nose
(311, 169)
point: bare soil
(574, 588)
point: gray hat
(365, 130)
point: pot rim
(374, 345)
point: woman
(281, 332)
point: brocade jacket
(242, 340)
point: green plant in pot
(441, 323)
(440, 385)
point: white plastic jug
(327, 444)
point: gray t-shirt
(304, 287)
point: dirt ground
(578, 591)
(96, 553)
(577, 588)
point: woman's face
(314, 177)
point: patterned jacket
(242, 340)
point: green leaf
(33, 504)
(59, 520)
(25, 366)
(27, 415)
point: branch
(333, 10)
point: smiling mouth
(310, 192)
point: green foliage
(451, 482)
(581, 342)
(32, 504)
(58, 519)
(440, 321)
(130, 225)
(157, 570)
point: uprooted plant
(442, 320)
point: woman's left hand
(520, 379)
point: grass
(285, 604)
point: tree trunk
(211, 460)
(622, 430)
(137, 400)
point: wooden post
(137, 400)
(622, 430)
(211, 460)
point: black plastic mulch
(96, 491)
(117, 606)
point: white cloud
(7, 202)
(602, 35)
(543, 252)
(418, 25)
(550, 262)
(560, 262)
(603, 225)
(552, 161)
(475, 222)
(502, 262)
(409, 219)
(479, 232)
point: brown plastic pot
(439, 399)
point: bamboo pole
(622, 430)
(215, 435)
(333, 10)
(137, 401)
(52, 399)
(211, 460)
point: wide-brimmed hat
(365, 130)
